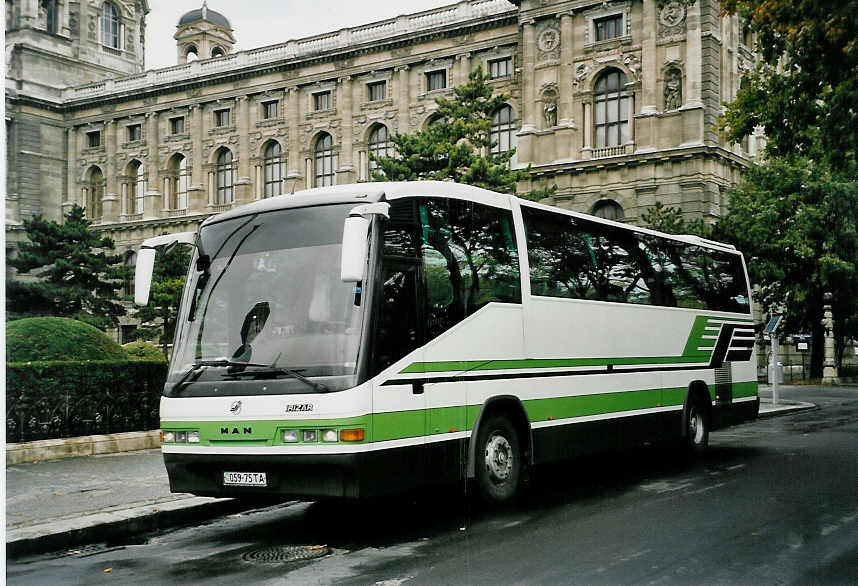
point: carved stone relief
(548, 44)
(93, 28)
(549, 104)
(671, 19)
(582, 70)
(633, 62)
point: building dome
(206, 14)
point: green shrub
(58, 338)
(143, 351)
(46, 400)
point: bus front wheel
(498, 460)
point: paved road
(775, 502)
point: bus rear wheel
(498, 465)
(696, 427)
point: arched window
(272, 170)
(178, 167)
(217, 52)
(109, 26)
(223, 170)
(503, 130)
(325, 161)
(379, 145)
(191, 53)
(608, 209)
(612, 109)
(137, 193)
(130, 263)
(95, 193)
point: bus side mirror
(354, 249)
(355, 231)
(143, 275)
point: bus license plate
(244, 479)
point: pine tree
(76, 274)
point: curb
(88, 445)
(118, 524)
(786, 409)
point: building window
(322, 101)
(325, 160)
(177, 125)
(272, 170)
(612, 109)
(377, 90)
(217, 52)
(436, 80)
(608, 209)
(135, 132)
(138, 188)
(269, 110)
(503, 130)
(379, 145)
(221, 118)
(609, 27)
(93, 139)
(109, 26)
(178, 182)
(49, 8)
(500, 67)
(225, 193)
(95, 195)
(191, 53)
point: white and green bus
(362, 339)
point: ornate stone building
(614, 102)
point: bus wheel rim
(499, 458)
(695, 426)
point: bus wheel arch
(510, 407)
(697, 417)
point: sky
(256, 23)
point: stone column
(649, 65)
(70, 197)
(829, 372)
(567, 54)
(693, 58)
(345, 174)
(151, 205)
(123, 201)
(529, 107)
(166, 198)
(197, 197)
(110, 201)
(463, 68)
(402, 84)
(243, 192)
(293, 169)
(586, 152)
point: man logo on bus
(235, 430)
(235, 408)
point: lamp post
(829, 373)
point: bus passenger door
(399, 409)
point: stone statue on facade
(673, 90)
(549, 110)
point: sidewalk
(54, 505)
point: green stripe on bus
(478, 365)
(440, 420)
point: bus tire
(696, 433)
(498, 462)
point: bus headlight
(309, 436)
(290, 436)
(193, 437)
(181, 437)
(168, 437)
(329, 435)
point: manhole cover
(286, 553)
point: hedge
(58, 338)
(56, 399)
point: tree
(804, 90)
(457, 145)
(796, 220)
(669, 219)
(77, 276)
(158, 318)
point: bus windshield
(264, 290)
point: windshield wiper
(271, 369)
